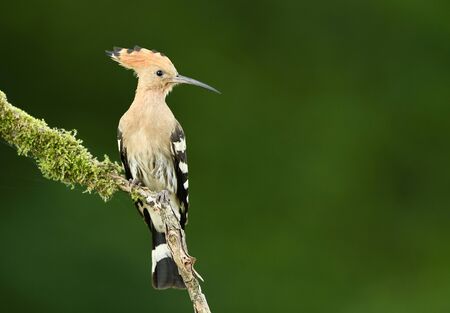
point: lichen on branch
(59, 154)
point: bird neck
(150, 104)
(152, 93)
(148, 96)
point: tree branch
(62, 157)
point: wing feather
(123, 155)
(181, 171)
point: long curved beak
(180, 79)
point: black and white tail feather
(164, 270)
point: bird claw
(163, 197)
(134, 182)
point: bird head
(155, 70)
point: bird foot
(135, 182)
(163, 197)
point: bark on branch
(62, 157)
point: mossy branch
(61, 157)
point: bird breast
(146, 129)
(150, 161)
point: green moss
(59, 154)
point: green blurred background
(319, 179)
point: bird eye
(159, 73)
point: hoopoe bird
(152, 147)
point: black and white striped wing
(181, 171)
(123, 155)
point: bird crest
(138, 58)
